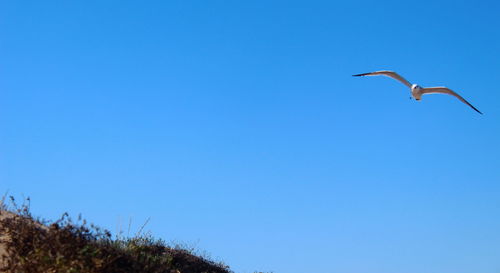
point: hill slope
(30, 245)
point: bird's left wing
(387, 73)
(444, 90)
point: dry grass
(38, 246)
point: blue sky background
(237, 127)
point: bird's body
(416, 90)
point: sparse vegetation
(39, 246)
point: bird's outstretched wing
(444, 90)
(387, 73)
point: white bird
(416, 90)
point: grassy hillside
(38, 246)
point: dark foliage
(37, 246)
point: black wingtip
(359, 75)
(476, 109)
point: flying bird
(416, 90)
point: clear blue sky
(237, 127)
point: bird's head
(415, 87)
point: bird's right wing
(387, 73)
(444, 90)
